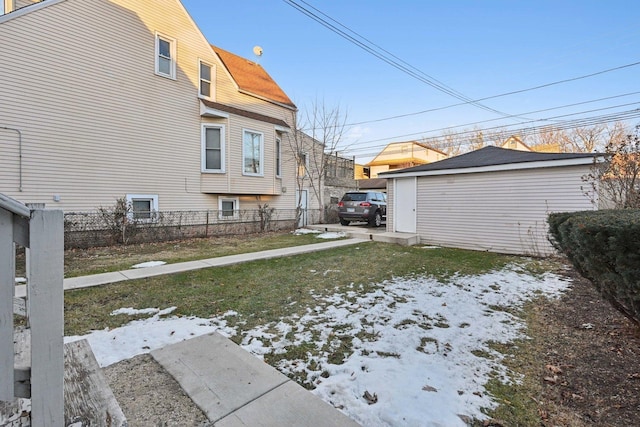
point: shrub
(604, 246)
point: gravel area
(150, 396)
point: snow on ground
(420, 346)
(148, 264)
(320, 234)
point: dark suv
(369, 206)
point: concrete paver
(234, 388)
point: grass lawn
(264, 291)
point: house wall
(502, 212)
(98, 123)
(409, 153)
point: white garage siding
(502, 211)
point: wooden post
(7, 286)
(45, 297)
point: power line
(522, 114)
(385, 55)
(498, 96)
(569, 124)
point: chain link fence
(108, 227)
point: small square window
(142, 207)
(228, 208)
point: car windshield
(355, 197)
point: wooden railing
(41, 233)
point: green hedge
(604, 246)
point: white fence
(41, 233)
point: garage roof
(492, 158)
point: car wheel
(376, 221)
(344, 222)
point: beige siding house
(399, 155)
(106, 99)
(492, 199)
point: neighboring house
(107, 99)
(400, 155)
(490, 199)
(322, 179)
(515, 143)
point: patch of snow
(418, 346)
(331, 235)
(306, 231)
(133, 311)
(149, 264)
(21, 280)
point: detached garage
(492, 199)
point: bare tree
(583, 139)
(449, 143)
(550, 139)
(313, 140)
(617, 181)
(477, 139)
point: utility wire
(569, 124)
(385, 55)
(522, 114)
(498, 96)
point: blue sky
(479, 49)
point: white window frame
(204, 148)
(278, 155)
(236, 208)
(173, 52)
(212, 77)
(153, 198)
(244, 154)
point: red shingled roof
(251, 77)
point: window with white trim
(165, 56)
(228, 208)
(143, 207)
(206, 80)
(213, 148)
(278, 157)
(252, 153)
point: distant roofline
(490, 159)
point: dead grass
(264, 291)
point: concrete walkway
(140, 273)
(232, 387)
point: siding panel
(500, 211)
(97, 123)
